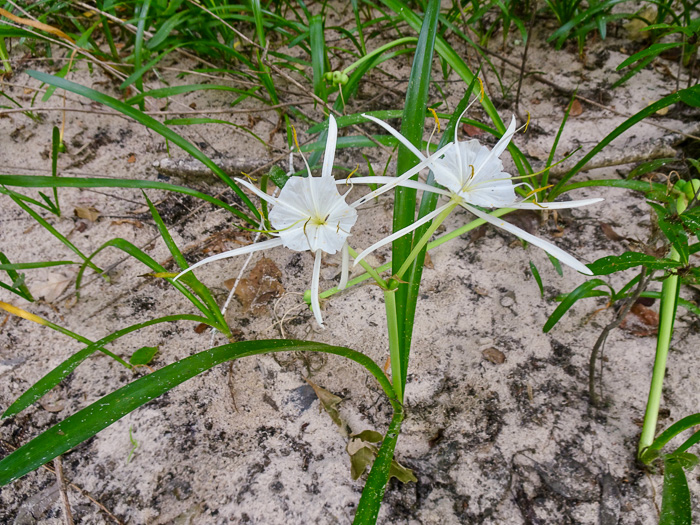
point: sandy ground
(490, 440)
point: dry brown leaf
(91, 213)
(641, 321)
(610, 233)
(133, 222)
(262, 286)
(131, 159)
(472, 131)
(329, 402)
(576, 108)
(37, 25)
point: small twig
(599, 344)
(61, 482)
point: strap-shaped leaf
(675, 505)
(617, 263)
(583, 291)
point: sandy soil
(489, 441)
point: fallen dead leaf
(91, 213)
(471, 131)
(641, 321)
(52, 287)
(262, 286)
(131, 159)
(133, 222)
(610, 233)
(329, 402)
(576, 108)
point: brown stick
(600, 343)
(60, 480)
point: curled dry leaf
(494, 355)
(329, 402)
(641, 321)
(90, 213)
(471, 131)
(51, 287)
(610, 233)
(576, 109)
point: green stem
(667, 315)
(424, 240)
(370, 271)
(5, 57)
(434, 244)
(379, 51)
(394, 348)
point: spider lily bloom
(310, 214)
(473, 176)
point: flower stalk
(667, 315)
(394, 347)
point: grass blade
(53, 231)
(318, 56)
(581, 292)
(685, 94)
(676, 508)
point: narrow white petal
(331, 140)
(401, 232)
(272, 243)
(553, 205)
(403, 140)
(548, 247)
(264, 196)
(315, 304)
(505, 139)
(396, 181)
(345, 267)
(388, 180)
(270, 199)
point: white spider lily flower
(473, 176)
(309, 214)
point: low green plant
(678, 221)
(688, 43)
(577, 20)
